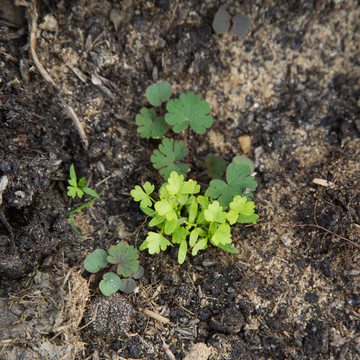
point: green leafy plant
(78, 188)
(193, 221)
(221, 23)
(188, 111)
(216, 166)
(123, 258)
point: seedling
(78, 188)
(124, 259)
(188, 111)
(195, 221)
(221, 23)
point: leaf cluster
(78, 188)
(124, 259)
(221, 23)
(183, 217)
(188, 111)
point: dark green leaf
(127, 285)
(150, 126)
(95, 261)
(110, 284)
(188, 110)
(125, 257)
(158, 93)
(216, 166)
(238, 180)
(166, 158)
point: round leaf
(158, 93)
(241, 24)
(137, 274)
(242, 159)
(127, 285)
(95, 261)
(221, 21)
(110, 284)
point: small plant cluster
(78, 188)
(194, 221)
(221, 23)
(186, 111)
(123, 258)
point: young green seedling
(124, 260)
(78, 188)
(189, 220)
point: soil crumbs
(289, 88)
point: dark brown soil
(291, 85)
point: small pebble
(245, 143)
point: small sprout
(158, 93)
(78, 188)
(149, 125)
(125, 258)
(167, 158)
(216, 166)
(188, 110)
(221, 22)
(241, 24)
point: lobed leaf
(238, 180)
(154, 242)
(167, 158)
(188, 110)
(149, 125)
(125, 257)
(143, 196)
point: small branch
(69, 110)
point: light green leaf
(154, 242)
(193, 209)
(165, 207)
(171, 226)
(174, 183)
(222, 235)
(158, 93)
(149, 125)
(179, 235)
(200, 245)
(182, 252)
(244, 219)
(188, 110)
(214, 213)
(144, 196)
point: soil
(288, 90)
